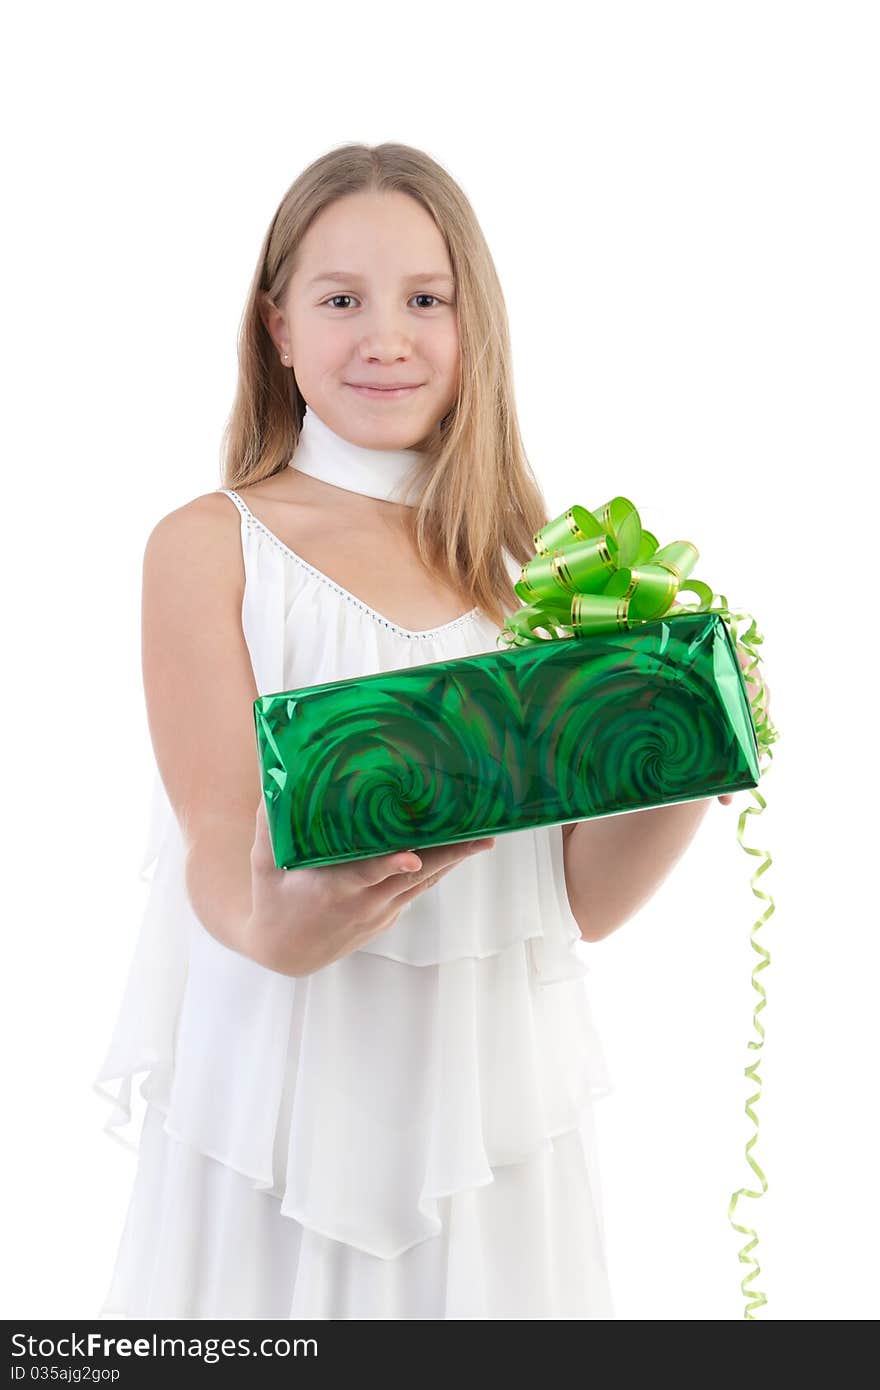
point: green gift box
(647, 706)
(550, 732)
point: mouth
(390, 393)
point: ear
(270, 314)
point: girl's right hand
(307, 918)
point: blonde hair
(481, 496)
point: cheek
(320, 354)
(445, 349)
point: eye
(424, 295)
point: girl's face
(373, 302)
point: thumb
(262, 854)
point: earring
(284, 356)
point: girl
(369, 1086)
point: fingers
(405, 865)
(379, 867)
(439, 860)
(756, 685)
(446, 856)
(422, 882)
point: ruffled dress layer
(406, 1133)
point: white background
(682, 202)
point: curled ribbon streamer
(600, 571)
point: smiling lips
(388, 392)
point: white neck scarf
(393, 475)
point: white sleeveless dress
(407, 1132)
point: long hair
(480, 496)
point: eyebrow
(430, 277)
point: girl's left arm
(613, 864)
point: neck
(392, 475)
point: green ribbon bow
(601, 571)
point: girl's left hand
(753, 686)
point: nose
(385, 332)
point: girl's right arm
(200, 689)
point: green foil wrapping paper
(535, 735)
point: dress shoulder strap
(263, 606)
(236, 499)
